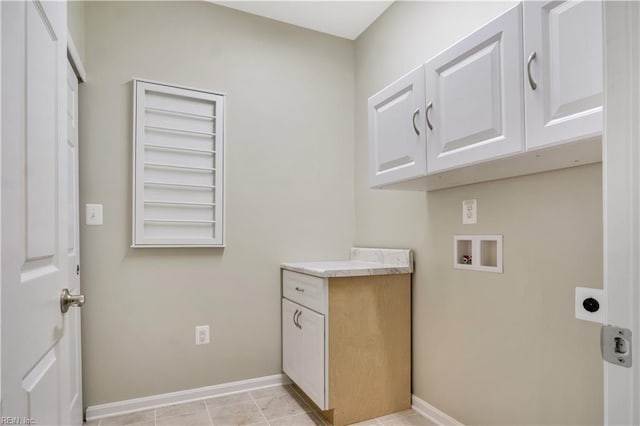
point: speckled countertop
(363, 261)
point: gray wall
(289, 192)
(487, 348)
(75, 24)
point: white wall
(487, 348)
(289, 192)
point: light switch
(469, 212)
(94, 214)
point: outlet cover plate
(469, 212)
(202, 335)
(93, 214)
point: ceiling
(347, 19)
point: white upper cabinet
(485, 107)
(397, 131)
(564, 75)
(474, 100)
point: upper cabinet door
(474, 96)
(397, 131)
(564, 76)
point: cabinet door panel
(312, 355)
(397, 131)
(568, 70)
(290, 341)
(475, 89)
(469, 112)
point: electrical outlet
(469, 212)
(202, 335)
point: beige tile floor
(274, 406)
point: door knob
(67, 299)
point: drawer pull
(301, 290)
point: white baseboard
(149, 402)
(95, 412)
(432, 413)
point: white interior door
(621, 198)
(35, 264)
(70, 341)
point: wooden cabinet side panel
(369, 346)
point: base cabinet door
(291, 343)
(474, 98)
(312, 355)
(303, 349)
(564, 71)
(397, 141)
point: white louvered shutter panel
(178, 166)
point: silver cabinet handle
(415, 128)
(532, 82)
(294, 318)
(426, 114)
(298, 320)
(301, 290)
(67, 299)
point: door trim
(74, 59)
(621, 202)
(0, 205)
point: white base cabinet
(346, 343)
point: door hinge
(615, 345)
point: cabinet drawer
(304, 289)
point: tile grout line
(206, 407)
(259, 409)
